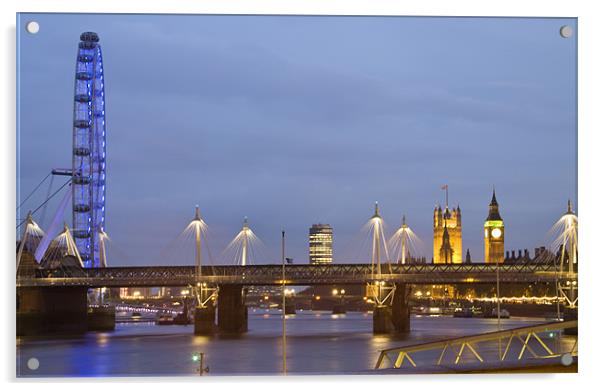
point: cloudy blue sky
(299, 120)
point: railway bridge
(58, 295)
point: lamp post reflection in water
(283, 310)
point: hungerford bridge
(52, 296)
(64, 290)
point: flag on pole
(444, 187)
(289, 260)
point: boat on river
(504, 314)
(164, 319)
(463, 313)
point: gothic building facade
(447, 235)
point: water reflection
(317, 342)
(102, 339)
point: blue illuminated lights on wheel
(89, 150)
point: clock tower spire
(494, 233)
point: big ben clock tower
(494, 234)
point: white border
(590, 64)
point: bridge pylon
(568, 264)
(30, 239)
(204, 312)
(390, 314)
(378, 290)
(205, 294)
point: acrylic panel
(210, 195)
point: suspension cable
(43, 216)
(34, 190)
(44, 203)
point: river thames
(318, 342)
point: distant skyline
(294, 121)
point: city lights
(297, 124)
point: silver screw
(566, 31)
(33, 363)
(32, 27)
(566, 359)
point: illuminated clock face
(496, 233)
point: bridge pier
(101, 318)
(204, 320)
(395, 318)
(570, 313)
(290, 308)
(232, 315)
(339, 309)
(52, 310)
(381, 320)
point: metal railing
(395, 357)
(295, 275)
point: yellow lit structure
(494, 234)
(320, 244)
(447, 235)
(455, 347)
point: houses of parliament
(447, 235)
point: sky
(297, 120)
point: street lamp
(200, 358)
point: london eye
(89, 152)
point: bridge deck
(295, 275)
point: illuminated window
(320, 244)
